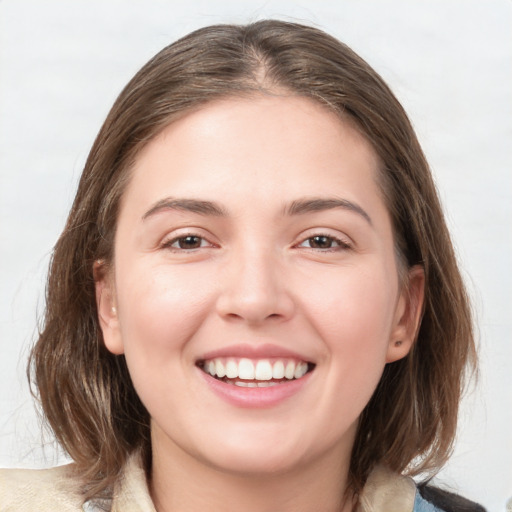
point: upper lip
(259, 351)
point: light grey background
(62, 64)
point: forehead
(285, 140)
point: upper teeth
(262, 369)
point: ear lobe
(106, 306)
(408, 315)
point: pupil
(321, 242)
(189, 242)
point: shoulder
(60, 490)
(43, 490)
(387, 490)
(428, 496)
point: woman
(255, 303)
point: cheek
(160, 309)
(354, 313)
(353, 304)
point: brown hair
(86, 392)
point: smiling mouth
(252, 373)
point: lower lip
(255, 397)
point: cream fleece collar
(58, 489)
(384, 491)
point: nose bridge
(254, 287)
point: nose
(255, 289)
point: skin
(256, 275)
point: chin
(255, 463)
(259, 452)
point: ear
(408, 315)
(106, 306)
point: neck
(180, 482)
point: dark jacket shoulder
(448, 501)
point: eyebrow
(188, 205)
(308, 205)
(297, 207)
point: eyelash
(341, 245)
(168, 244)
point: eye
(324, 242)
(186, 242)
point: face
(255, 291)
